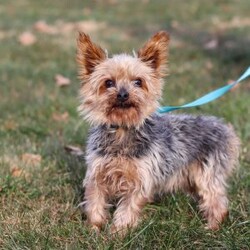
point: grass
(39, 197)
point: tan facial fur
(99, 103)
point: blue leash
(208, 97)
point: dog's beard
(124, 113)
(123, 105)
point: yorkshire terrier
(133, 153)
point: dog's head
(122, 90)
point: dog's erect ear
(89, 55)
(155, 52)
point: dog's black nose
(123, 95)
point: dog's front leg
(95, 206)
(128, 212)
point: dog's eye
(109, 83)
(138, 82)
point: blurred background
(40, 182)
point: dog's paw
(116, 231)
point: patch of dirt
(60, 117)
(235, 22)
(21, 166)
(27, 38)
(62, 81)
(6, 34)
(61, 27)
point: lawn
(40, 182)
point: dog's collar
(112, 128)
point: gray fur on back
(179, 140)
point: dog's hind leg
(211, 185)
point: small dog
(133, 153)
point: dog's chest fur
(121, 142)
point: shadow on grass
(76, 167)
(70, 163)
